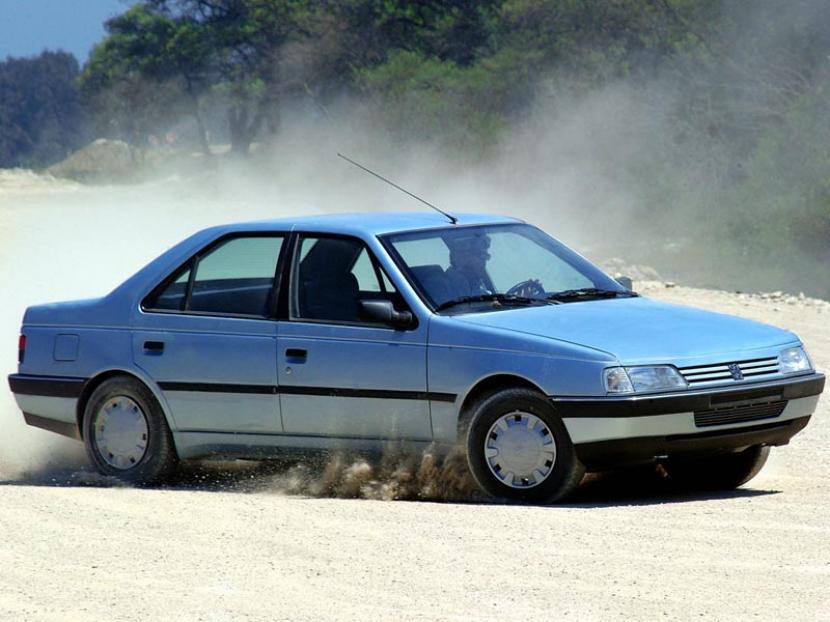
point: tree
(41, 119)
(147, 47)
(345, 39)
(245, 38)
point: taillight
(21, 348)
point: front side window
(332, 275)
(236, 277)
(505, 264)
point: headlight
(643, 379)
(617, 381)
(794, 360)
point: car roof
(371, 223)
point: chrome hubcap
(520, 450)
(121, 433)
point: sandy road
(75, 548)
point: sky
(27, 27)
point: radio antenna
(450, 217)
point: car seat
(327, 288)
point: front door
(340, 375)
(208, 338)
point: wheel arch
(98, 379)
(488, 386)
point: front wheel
(721, 472)
(519, 449)
(126, 434)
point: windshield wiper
(499, 298)
(588, 292)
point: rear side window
(234, 278)
(172, 297)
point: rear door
(340, 375)
(208, 337)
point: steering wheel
(531, 288)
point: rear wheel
(721, 472)
(519, 449)
(126, 434)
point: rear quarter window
(234, 278)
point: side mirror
(626, 282)
(383, 312)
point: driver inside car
(467, 272)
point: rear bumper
(612, 431)
(49, 402)
(63, 428)
(46, 386)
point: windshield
(479, 267)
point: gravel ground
(240, 545)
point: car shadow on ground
(646, 486)
(314, 479)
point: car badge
(736, 372)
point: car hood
(637, 330)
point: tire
(126, 434)
(720, 472)
(509, 439)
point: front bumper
(608, 431)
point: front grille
(739, 413)
(755, 369)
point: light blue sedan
(357, 332)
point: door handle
(296, 355)
(154, 347)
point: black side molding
(386, 394)
(264, 389)
(46, 386)
(58, 386)
(210, 387)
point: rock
(617, 267)
(101, 160)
